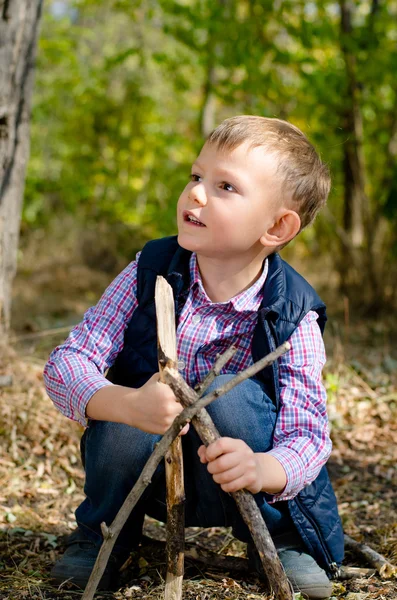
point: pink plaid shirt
(75, 370)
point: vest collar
(178, 276)
(275, 285)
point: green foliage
(121, 88)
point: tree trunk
(19, 21)
(356, 207)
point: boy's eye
(195, 177)
(227, 186)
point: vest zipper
(332, 566)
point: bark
(360, 222)
(356, 206)
(19, 24)
(166, 340)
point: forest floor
(42, 476)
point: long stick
(166, 340)
(246, 504)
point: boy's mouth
(190, 218)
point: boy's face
(233, 198)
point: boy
(256, 183)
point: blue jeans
(115, 454)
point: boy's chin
(185, 243)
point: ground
(42, 477)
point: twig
(220, 362)
(167, 353)
(385, 569)
(346, 573)
(198, 553)
(39, 334)
(246, 504)
(361, 381)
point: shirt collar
(249, 300)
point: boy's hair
(302, 173)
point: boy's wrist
(272, 473)
(112, 403)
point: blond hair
(303, 175)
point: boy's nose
(197, 194)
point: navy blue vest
(287, 298)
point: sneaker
(77, 562)
(301, 569)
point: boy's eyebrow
(232, 176)
(223, 172)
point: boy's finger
(234, 486)
(185, 429)
(223, 463)
(202, 454)
(219, 447)
(229, 475)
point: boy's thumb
(185, 429)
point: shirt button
(181, 365)
(196, 319)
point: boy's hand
(151, 408)
(233, 465)
(155, 407)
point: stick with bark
(246, 504)
(166, 344)
(385, 569)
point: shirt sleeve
(301, 438)
(75, 370)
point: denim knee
(245, 412)
(116, 450)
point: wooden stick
(385, 569)
(111, 533)
(246, 504)
(346, 573)
(208, 558)
(166, 341)
(220, 362)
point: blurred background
(125, 94)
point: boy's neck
(223, 280)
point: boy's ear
(285, 228)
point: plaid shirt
(75, 370)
